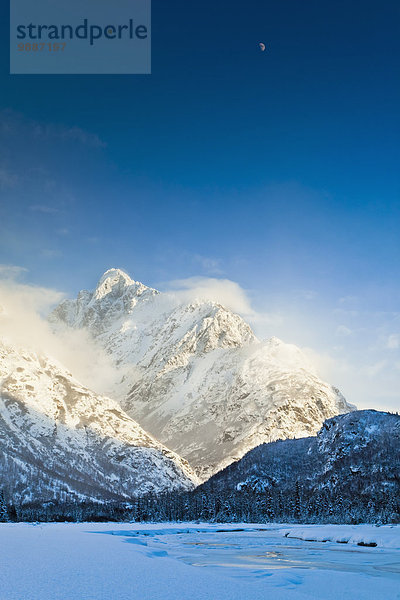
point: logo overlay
(80, 36)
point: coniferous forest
(300, 506)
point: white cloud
(328, 366)
(12, 123)
(229, 294)
(23, 311)
(11, 271)
(82, 136)
(223, 291)
(74, 134)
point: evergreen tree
(4, 517)
(297, 501)
(269, 509)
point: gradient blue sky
(276, 170)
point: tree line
(298, 505)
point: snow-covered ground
(92, 561)
(387, 536)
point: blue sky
(278, 170)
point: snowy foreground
(92, 561)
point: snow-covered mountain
(354, 455)
(196, 376)
(59, 440)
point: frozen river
(198, 561)
(258, 551)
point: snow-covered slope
(356, 455)
(196, 376)
(60, 440)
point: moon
(261, 46)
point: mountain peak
(112, 281)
